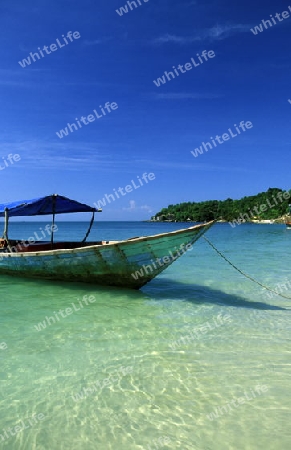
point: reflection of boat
(129, 263)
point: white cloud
(218, 32)
(133, 207)
(224, 31)
(146, 208)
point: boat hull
(131, 263)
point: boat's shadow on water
(163, 289)
(168, 289)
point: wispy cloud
(18, 78)
(218, 32)
(171, 38)
(41, 154)
(71, 156)
(97, 41)
(194, 167)
(224, 31)
(186, 96)
(14, 83)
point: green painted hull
(131, 263)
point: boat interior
(15, 246)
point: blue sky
(154, 128)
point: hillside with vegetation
(269, 205)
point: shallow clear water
(153, 365)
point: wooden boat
(129, 263)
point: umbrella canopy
(51, 204)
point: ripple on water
(151, 379)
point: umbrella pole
(5, 234)
(53, 222)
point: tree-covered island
(270, 205)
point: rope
(241, 272)
(90, 226)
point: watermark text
(243, 126)
(9, 160)
(220, 410)
(171, 75)
(71, 127)
(65, 312)
(48, 50)
(134, 184)
(124, 9)
(24, 424)
(202, 329)
(265, 24)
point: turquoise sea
(199, 359)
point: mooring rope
(241, 272)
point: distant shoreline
(280, 220)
